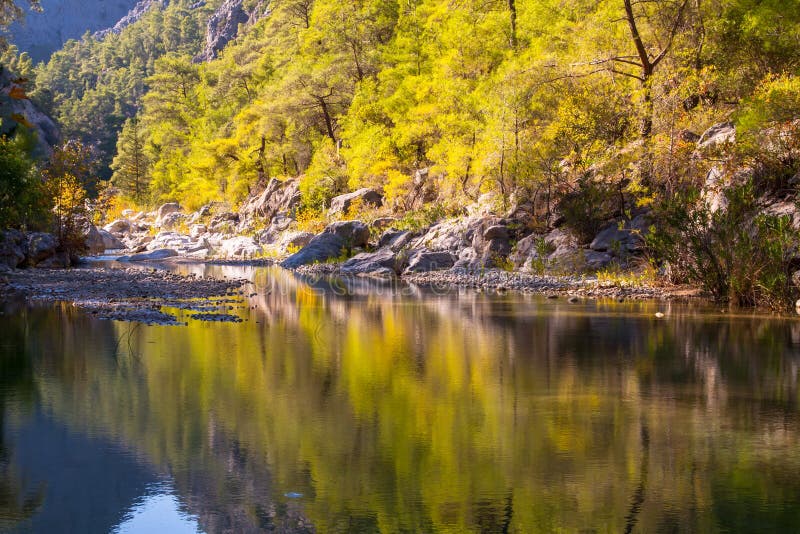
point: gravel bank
(137, 295)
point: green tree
(22, 200)
(130, 165)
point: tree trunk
(512, 10)
(328, 119)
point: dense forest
(579, 111)
(507, 96)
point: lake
(358, 406)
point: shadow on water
(361, 406)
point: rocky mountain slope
(41, 34)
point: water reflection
(343, 408)
(157, 511)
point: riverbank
(162, 297)
(148, 296)
(494, 280)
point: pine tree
(130, 165)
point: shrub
(324, 179)
(586, 209)
(737, 254)
(22, 199)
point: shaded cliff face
(223, 26)
(21, 112)
(41, 34)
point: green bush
(22, 199)
(736, 254)
(587, 209)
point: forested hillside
(92, 85)
(505, 96)
(514, 97)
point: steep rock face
(15, 111)
(136, 13)
(223, 26)
(41, 34)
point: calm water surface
(352, 407)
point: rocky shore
(147, 296)
(552, 286)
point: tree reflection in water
(454, 412)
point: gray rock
(382, 222)
(94, 239)
(425, 261)
(342, 203)
(713, 193)
(321, 248)
(223, 26)
(597, 260)
(296, 239)
(468, 261)
(197, 230)
(110, 242)
(383, 262)
(223, 223)
(496, 232)
(622, 237)
(449, 235)
(719, 134)
(120, 226)
(240, 247)
(171, 220)
(395, 239)
(169, 240)
(133, 16)
(41, 246)
(59, 260)
(160, 254)
(527, 250)
(42, 33)
(485, 205)
(353, 233)
(166, 209)
(13, 248)
(280, 197)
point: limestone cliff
(224, 24)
